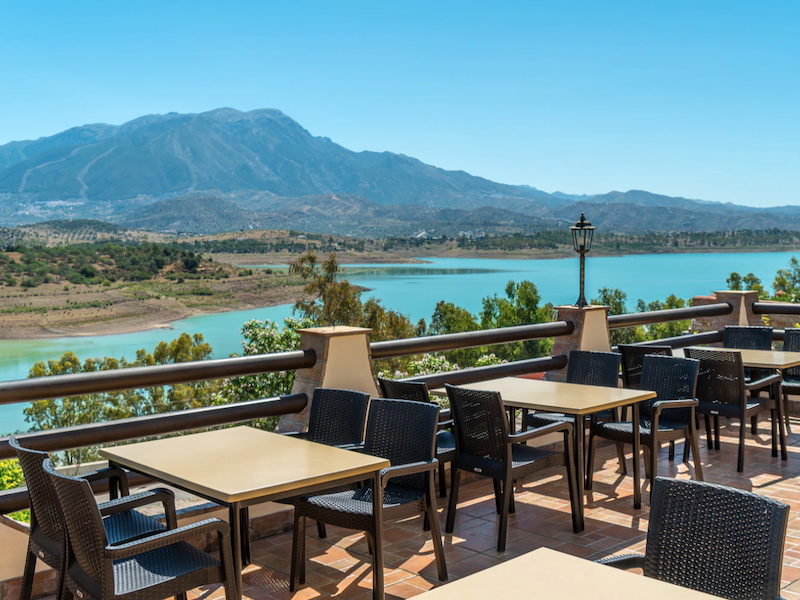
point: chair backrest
(791, 343)
(671, 378)
(46, 517)
(337, 416)
(632, 357)
(747, 338)
(87, 535)
(593, 368)
(720, 378)
(481, 423)
(404, 432)
(404, 390)
(719, 540)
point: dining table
(545, 573)
(240, 466)
(571, 399)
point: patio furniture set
(363, 460)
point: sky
(684, 98)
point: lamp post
(582, 233)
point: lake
(415, 289)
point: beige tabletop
(241, 463)
(548, 574)
(554, 396)
(762, 359)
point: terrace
(340, 564)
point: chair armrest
(446, 424)
(359, 447)
(167, 538)
(409, 469)
(666, 404)
(763, 382)
(626, 561)
(530, 434)
(164, 496)
(112, 474)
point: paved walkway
(339, 565)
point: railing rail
(78, 384)
(681, 341)
(511, 369)
(671, 314)
(469, 339)
(776, 308)
(139, 427)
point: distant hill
(225, 169)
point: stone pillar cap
(334, 330)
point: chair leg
(321, 530)
(686, 451)
(740, 464)
(27, 577)
(754, 424)
(226, 558)
(709, 438)
(786, 412)
(716, 432)
(691, 439)
(442, 481)
(672, 450)
(370, 546)
(646, 450)
(511, 507)
(455, 478)
(296, 576)
(621, 458)
(773, 418)
(436, 534)
(590, 448)
(508, 491)
(498, 496)
(653, 462)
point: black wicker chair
(337, 418)
(791, 377)
(586, 368)
(157, 566)
(668, 416)
(632, 357)
(722, 391)
(715, 539)
(445, 438)
(750, 338)
(47, 537)
(485, 447)
(404, 432)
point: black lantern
(582, 233)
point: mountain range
(226, 170)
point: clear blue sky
(697, 99)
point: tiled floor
(340, 564)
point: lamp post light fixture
(582, 233)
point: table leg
(377, 550)
(637, 484)
(579, 466)
(244, 519)
(512, 420)
(234, 516)
(776, 395)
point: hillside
(225, 169)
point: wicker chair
(337, 419)
(668, 416)
(722, 391)
(586, 368)
(791, 377)
(445, 438)
(403, 432)
(485, 447)
(47, 537)
(632, 357)
(750, 338)
(157, 566)
(715, 539)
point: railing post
(343, 361)
(590, 333)
(742, 314)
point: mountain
(230, 169)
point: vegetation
(10, 478)
(786, 285)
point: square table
(571, 399)
(546, 573)
(241, 466)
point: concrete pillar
(343, 361)
(591, 333)
(742, 303)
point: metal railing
(776, 308)
(667, 315)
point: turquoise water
(415, 289)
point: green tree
(658, 331)
(787, 282)
(11, 477)
(449, 318)
(615, 300)
(520, 306)
(734, 281)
